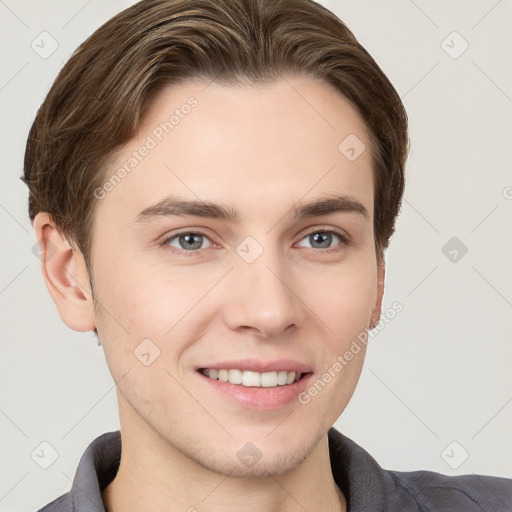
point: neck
(154, 475)
(125, 494)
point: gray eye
(187, 241)
(321, 239)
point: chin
(261, 465)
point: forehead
(289, 140)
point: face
(183, 289)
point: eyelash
(345, 240)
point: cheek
(141, 299)
(352, 297)
(141, 303)
(344, 300)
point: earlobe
(377, 308)
(65, 275)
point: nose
(263, 297)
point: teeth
(253, 379)
(282, 378)
(235, 376)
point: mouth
(253, 379)
(260, 391)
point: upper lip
(255, 365)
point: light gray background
(438, 373)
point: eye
(324, 238)
(187, 242)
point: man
(218, 182)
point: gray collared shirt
(366, 486)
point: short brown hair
(99, 97)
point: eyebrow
(175, 206)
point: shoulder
(369, 487)
(96, 469)
(465, 493)
(61, 504)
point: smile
(252, 379)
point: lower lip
(260, 398)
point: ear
(377, 307)
(65, 275)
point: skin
(260, 150)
